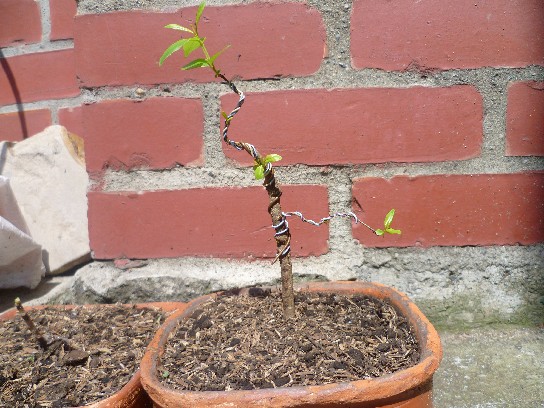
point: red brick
(408, 34)
(62, 18)
(19, 22)
(484, 209)
(373, 125)
(156, 133)
(72, 120)
(221, 222)
(525, 119)
(268, 40)
(40, 76)
(17, 126)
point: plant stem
(274, 209)
(274, 193)
(43, 339)
(282, 242)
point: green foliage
(258, 168)
(172, 49)
(199, 12)
(198, 63)
(178, 27)
(258, 171)
(191, 44)
(387, 225)
(212, 59)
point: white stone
(20, 257)
(48, 178)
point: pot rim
(365, 390)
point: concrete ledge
(491, 368)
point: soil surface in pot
(243, 343)
(99, 351)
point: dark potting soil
(243, 343)
(99, 351)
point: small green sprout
(258, 168)
(226, 117)
(387, 225)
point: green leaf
(199, 11)
(379, 232)
(178, 27)
(272, 158)
(258, 170)
(227, 119)
(198, 63)
(172, 49)
(190, 45)
(217, 54)
(393, 231)
(389, 218)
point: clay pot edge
(395, 383)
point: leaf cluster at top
(191, 44)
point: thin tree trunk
(282, 245)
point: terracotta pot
(408, 388)
(132, 395)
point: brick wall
(433, 108)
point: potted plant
(76, 355)
(191, 359)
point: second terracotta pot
(408, 388)
(132, 395)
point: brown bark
(282, 242)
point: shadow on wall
(13, 84)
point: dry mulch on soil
(243, 343)
(107, 345)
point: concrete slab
(491, 368)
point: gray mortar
(106, 6)
(456, 287)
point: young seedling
(262, 166)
